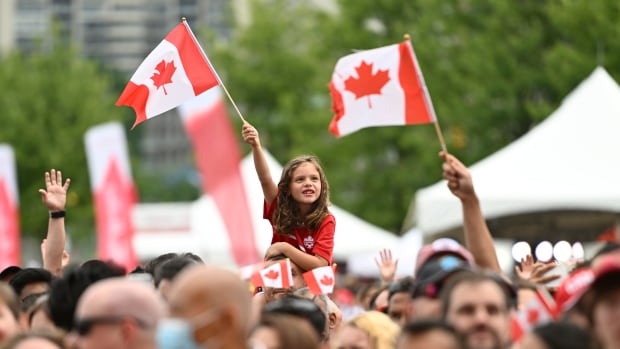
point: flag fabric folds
(379, 87)
(10, 246)
(218, 156)
(114, 193)
(320, 280)
(175, 71)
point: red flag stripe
(417, 110)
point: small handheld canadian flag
(540, 310)
(320, 280)
(277, 275)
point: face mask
(176, 333)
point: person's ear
(332, 321)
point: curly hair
(287, 216)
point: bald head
(122, 297)
(209, 289)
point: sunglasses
(83, 326)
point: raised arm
(250, 136)
(54, 197)
(478, 239)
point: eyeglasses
(83, 326)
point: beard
(482, 337)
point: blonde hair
(382, 331)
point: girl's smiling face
(305, 186)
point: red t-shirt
(318, 243)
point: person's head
(30, 283)
(379, 299)
(7, 273)
(117, 313)
(66, 290)
(9, 312)
(438, 262)
(271, 293)
(603, 300)
(365, 293)
(167, 271)
(209, 307)
(556, 335)
(479, 305)
(399, 300)
(302, 308)
(428, 334)
(35, 340)
(369, 330)
(281, 331)
(303, 194)
(152, 265)
(332, 313)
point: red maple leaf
(163, 75)
(272, 274)
(532, 316)
(326, 280)
(367, 83)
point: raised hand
(535, 272)
(458, 177)
(54, 196)
(387, 265)
(250, 134)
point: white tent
(206, 233)
(567, 162)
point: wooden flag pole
(442, 143)
(220, 82)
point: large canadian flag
(218, 156)
(175, 71)
(320, 280)
(9, 209)
(379, 87)
(114, 193)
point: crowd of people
(456, 298)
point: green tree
(49, 99)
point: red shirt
(318, 243)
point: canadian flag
(379, 87)
(9, 209)
(175, 71)
(540, 310)
(114, 193)
(218, 156)
(252, 273)
(320, 280)
(277, 275)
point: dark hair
(171, 268)
(66, 291)
(373, 299)
(29, 276)
(600, 289)
(7, 273)
(292, 331)
(8, 297)
(563, 335)
(399, 286)
(477, 276)
(300, 307)
(286, 215)
(421, 327)
(151, 265)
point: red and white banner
(320, 280)
(10, 246)
(379, 87)
(540, 310)
(277, 275)
(218, 156)
(175, 71)
(114, 193)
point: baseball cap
(605, 264)
(439, 247)
(434, 271)
(573, 288)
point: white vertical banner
(10, 246)
(114, 192)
